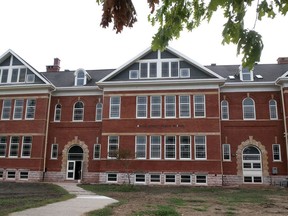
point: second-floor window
(248, 109)
(115, 107)
(78, 112)
(199, 106)
(113, 146)
(57, 113)
(156, 107)
(26, 147)
(170, 106)
(224, 110)
(141, 107)
(30, 108)
(184, 106)
(170, 147)
(6, 109)
(273, 109)
(3, 146)
(18, 109)
(200, 147)
(99, 107)
(14, 146)
(155, 147)
(141, 147)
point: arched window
(78, 111)
(75, 153)
(81, 77)
(273, 109)
(252, 165)
(248, 109)
(224, 110)
(57, 113)
(99, 112)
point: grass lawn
(180, 201)
(20, 196)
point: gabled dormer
(245, 74)
(81, 77)
(15, 71)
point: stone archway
(252, 142)
(65, 152)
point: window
(170, 147)
(97, 151)
(30, 108)
(14, 146)
(141, 147)
(18, 75)
(170, 69)
(80, 78)
(200, 147)
(185, 72)
(11, 174)
(185, 147)
(30, 78)
(156, 107)
(170, 106)
(276, 152)
(54, 151)
(112, 177)
(18, 109)
(148, 69)
(1, 174)
(57, 113)
(24, 175)
(78, 112)
(4, 76)
(3, 146)
(184, 106)
(245, 74)
(133, 74)
(113, 146)
(141, 107)
(155, 147)
(170, 178)
(6, 109)
(185, 179)
(99, 108)
(155, 178)
(226, 152)
(248, 109)
(199, 106)
(143, 70)
(140, 178)
(201, 179)
(252, 179)
(115, 107)
(224, 110)
(273, 109)
(26, 147)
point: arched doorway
(74, 163)
(252, 165)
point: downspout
(46, 134)
(220, 127)
(285, 124)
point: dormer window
(81, 77)
(246, 74)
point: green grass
(107, 211)
(20, 196)
(160, 210)
(103, 189)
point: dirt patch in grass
(19, 196)
(189, 201)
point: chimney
(282, 60)
(55, 67)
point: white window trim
(55, 111)
(107, 181)
(146, 105)
(194, 106)
(225, 119)
(2, 112)
(24, 179)
(160, 176)
(7, 172)
(5, 147)
(170, 183)
(26, 111)
(189, 106)
(170, 103)
(223, 145)
(142, 183)
(85, 78)
(108, 157)
(83, 109)
(175, 147)
(110, 106)
(276, 118)
(133, 71)
(201, 183)
(160, 116)
(94, 152)
(182, 69)
(18, 144)
(180, 144)
(51, 154)
(195, 144)
(241, 74)
(14, 111)
(101, 110)
(185, 183)
(141, 158)
(254, 109)
(160, 145)
(280, 159)
(22, 146)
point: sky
(41, 30)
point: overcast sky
(40, 30)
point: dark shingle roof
(66, 78)
(269, 72)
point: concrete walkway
(85, 201)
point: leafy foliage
(173, 16)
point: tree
(173, 16)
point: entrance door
(74, 163)
(252, 165)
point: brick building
(161, 118)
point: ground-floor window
(11, 174)
(112, 177)
(97, 151)
(1, 174)
(170, 178)
(252, 179)
(155, 178)
(140, 178)
(24, 175)
(201, 179)
(185, 179)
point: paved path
(85, 201)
